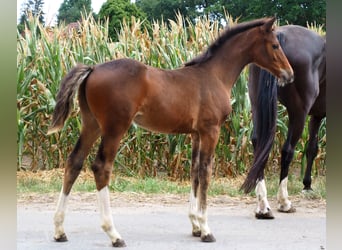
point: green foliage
(116, 11)
(42, 61)
(72, 10)
(298, 12)
(157, 10)
(31, 7)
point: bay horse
(306, 52)
(193, 99)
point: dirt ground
(87, 201)
(160, 222)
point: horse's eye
(275, 46)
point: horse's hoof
(196, 233)
(61, 238)
(291, 210)
(208, 238)
(266, 216)
(119, 243)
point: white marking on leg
(193, 212)
(262, 203)
(203, 221)
(284, 204)
(106, 216)
(60, 214)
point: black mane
(227, 34)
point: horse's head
(268, 54)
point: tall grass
(45, 55)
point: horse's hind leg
(295, 129)
(73, 166)
(312, 149)
(102, 168)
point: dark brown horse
(194, 99)
(305, 50)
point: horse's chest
(222, 102)
(217, 109)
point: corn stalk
(45, 55)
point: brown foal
(194, 99)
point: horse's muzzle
(285, 77)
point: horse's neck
(229, 61)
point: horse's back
(130, 67)
(126, 90)
(302, 45)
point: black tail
(265, 125)
(65, 96)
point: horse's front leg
(263, 210)
(205, 170)
(193, 199)
(295, 129)
(207, 147)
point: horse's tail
(264, 125)
(65, 97)
(265, 121)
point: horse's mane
(226, 35)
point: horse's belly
(161, 123)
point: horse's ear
(269, 24)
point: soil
(159, 221)
(88, 201)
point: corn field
(45, 55)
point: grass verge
(51, 181)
